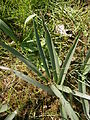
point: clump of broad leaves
(56, 86)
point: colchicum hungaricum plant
(56, 86)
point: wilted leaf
(3, 108)
(29, 18)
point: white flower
(60, 29)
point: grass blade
(40, 49)
(67, 62)
(50, 49)
(69, 110)
(23, 59)
(7, 30)
(11, 116)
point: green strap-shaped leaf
(86, 108)
(85, 68)
(69, 110)
(57, 61)
(23, 59)
(30, 80)
(50, 49)
(34, 82)
(7, 30)
(11, 116)
(63, 112)
(67, 62)
(40, 49)
(66, 89)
